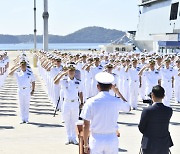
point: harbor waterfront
(46, 134)
(54, 46)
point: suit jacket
(154, 125)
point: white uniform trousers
(24, 102)
(103, 144)
(142, 90)
(148, 90)
(167, 85)
(87, 90)
(70, 116)
(177, 91)
(94, 89)
(1, 81)
(126, 89)
(56, 92)
(133, 93)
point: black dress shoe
(75, 142)
(68, 142)
(22, 122)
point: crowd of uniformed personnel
(70, 79)
(135, 74)
(4, 65)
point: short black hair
(105, 87)
(158, 91)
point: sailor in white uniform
(142, 78)
(151, 75)
(55, 89)
(134, 83)
(167, 75)
(100, 114)
(72, 91)
(26, 87)
(125, 90)
(114, 90)
(177, 81)
(2, 66)
(95, 68)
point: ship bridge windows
(174, 11)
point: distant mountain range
(85, 35)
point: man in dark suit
(154, 125)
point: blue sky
(67, 16)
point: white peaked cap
(104, 78)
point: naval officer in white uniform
(73, 98)
(100, 114)
(26, 87)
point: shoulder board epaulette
(77, 82)
(113, 74)
(156, 72)
(29, 70)
(138, 68)
(28, 73)
(78, 79)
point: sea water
(57, 46)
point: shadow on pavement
(6, 127)
(128, 124)
(11, 115)
(122, 150)
(39, 113)
(44, 125)
(175, 123)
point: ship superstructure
(159, 26)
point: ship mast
(45, 33)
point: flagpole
(35, 30)
(45, 33)
(35, 37)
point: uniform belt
(72, 100)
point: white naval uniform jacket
(133, 74)
(24, 79)
(167, 74)
(102, 111)
(71, 88)
(152, 77)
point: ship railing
(144, 2)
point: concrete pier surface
(46, 134)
